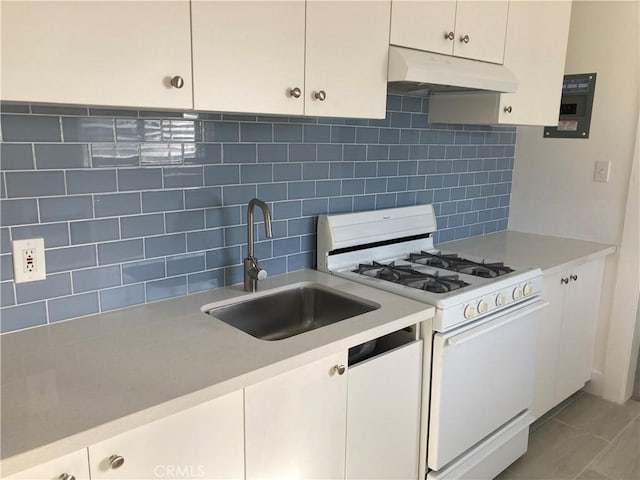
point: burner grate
(459, 264)
(408, 276)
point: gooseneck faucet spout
(252, 272)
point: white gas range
(482, 346)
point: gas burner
(459, 264)
(405, 275)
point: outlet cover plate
(601, 172)
(28, 260)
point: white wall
(553, 191)
(553, 188)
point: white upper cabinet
(536, 58)
(97, 53)
(424, 25)
(464, 28)
(248, 56)
(317, 57)
(480, 30)
(347, 45)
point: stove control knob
(500, 300)
(483, 307)
(517, 293)
(527, 290)
(469, 312)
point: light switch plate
(601, 173)
(28, 260)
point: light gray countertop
(528, 249)
(68, 385)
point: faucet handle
(261, 275)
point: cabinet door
(383, 419)
(206, 441)
(553, 291)
(537, 58)
(97, 53)
(248, 55)
(76, 464)
(579, 322)
(295, 423)
(346, 58)
(485, 24)
(423, 25)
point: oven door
(482, 377)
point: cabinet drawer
(206, 441)
(75, 464)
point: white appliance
(483, 341)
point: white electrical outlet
(601, 173)
(28, 260)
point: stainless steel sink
(291, 312)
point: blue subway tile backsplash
(138, 206)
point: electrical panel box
(575, 107)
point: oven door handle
(510, 317)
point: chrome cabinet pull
(116, 461)
(66, 476)
(508, 109)
(464, 39)
(340, 369)
(564, 281)
(321, 95)
(177, 81)
(295, 92)
(449, 35)
(574, 277)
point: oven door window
(482, 377)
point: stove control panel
(489, 303)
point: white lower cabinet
(295, 422)
(566, 341)
(317, 423)
(75, 465)
(383, 415)
(205, 442)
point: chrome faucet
(252, 272)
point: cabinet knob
(340, 369)
(321, 95)
(295, 92)
(574, 277)
(449, 35)
(177, 81)
(508, 109)
(564, 281)
(464, 38)
(66, 476)
(116, 461)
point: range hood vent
(418, 72)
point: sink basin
(291, 312)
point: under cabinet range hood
(419, 72)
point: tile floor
(584, 438)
